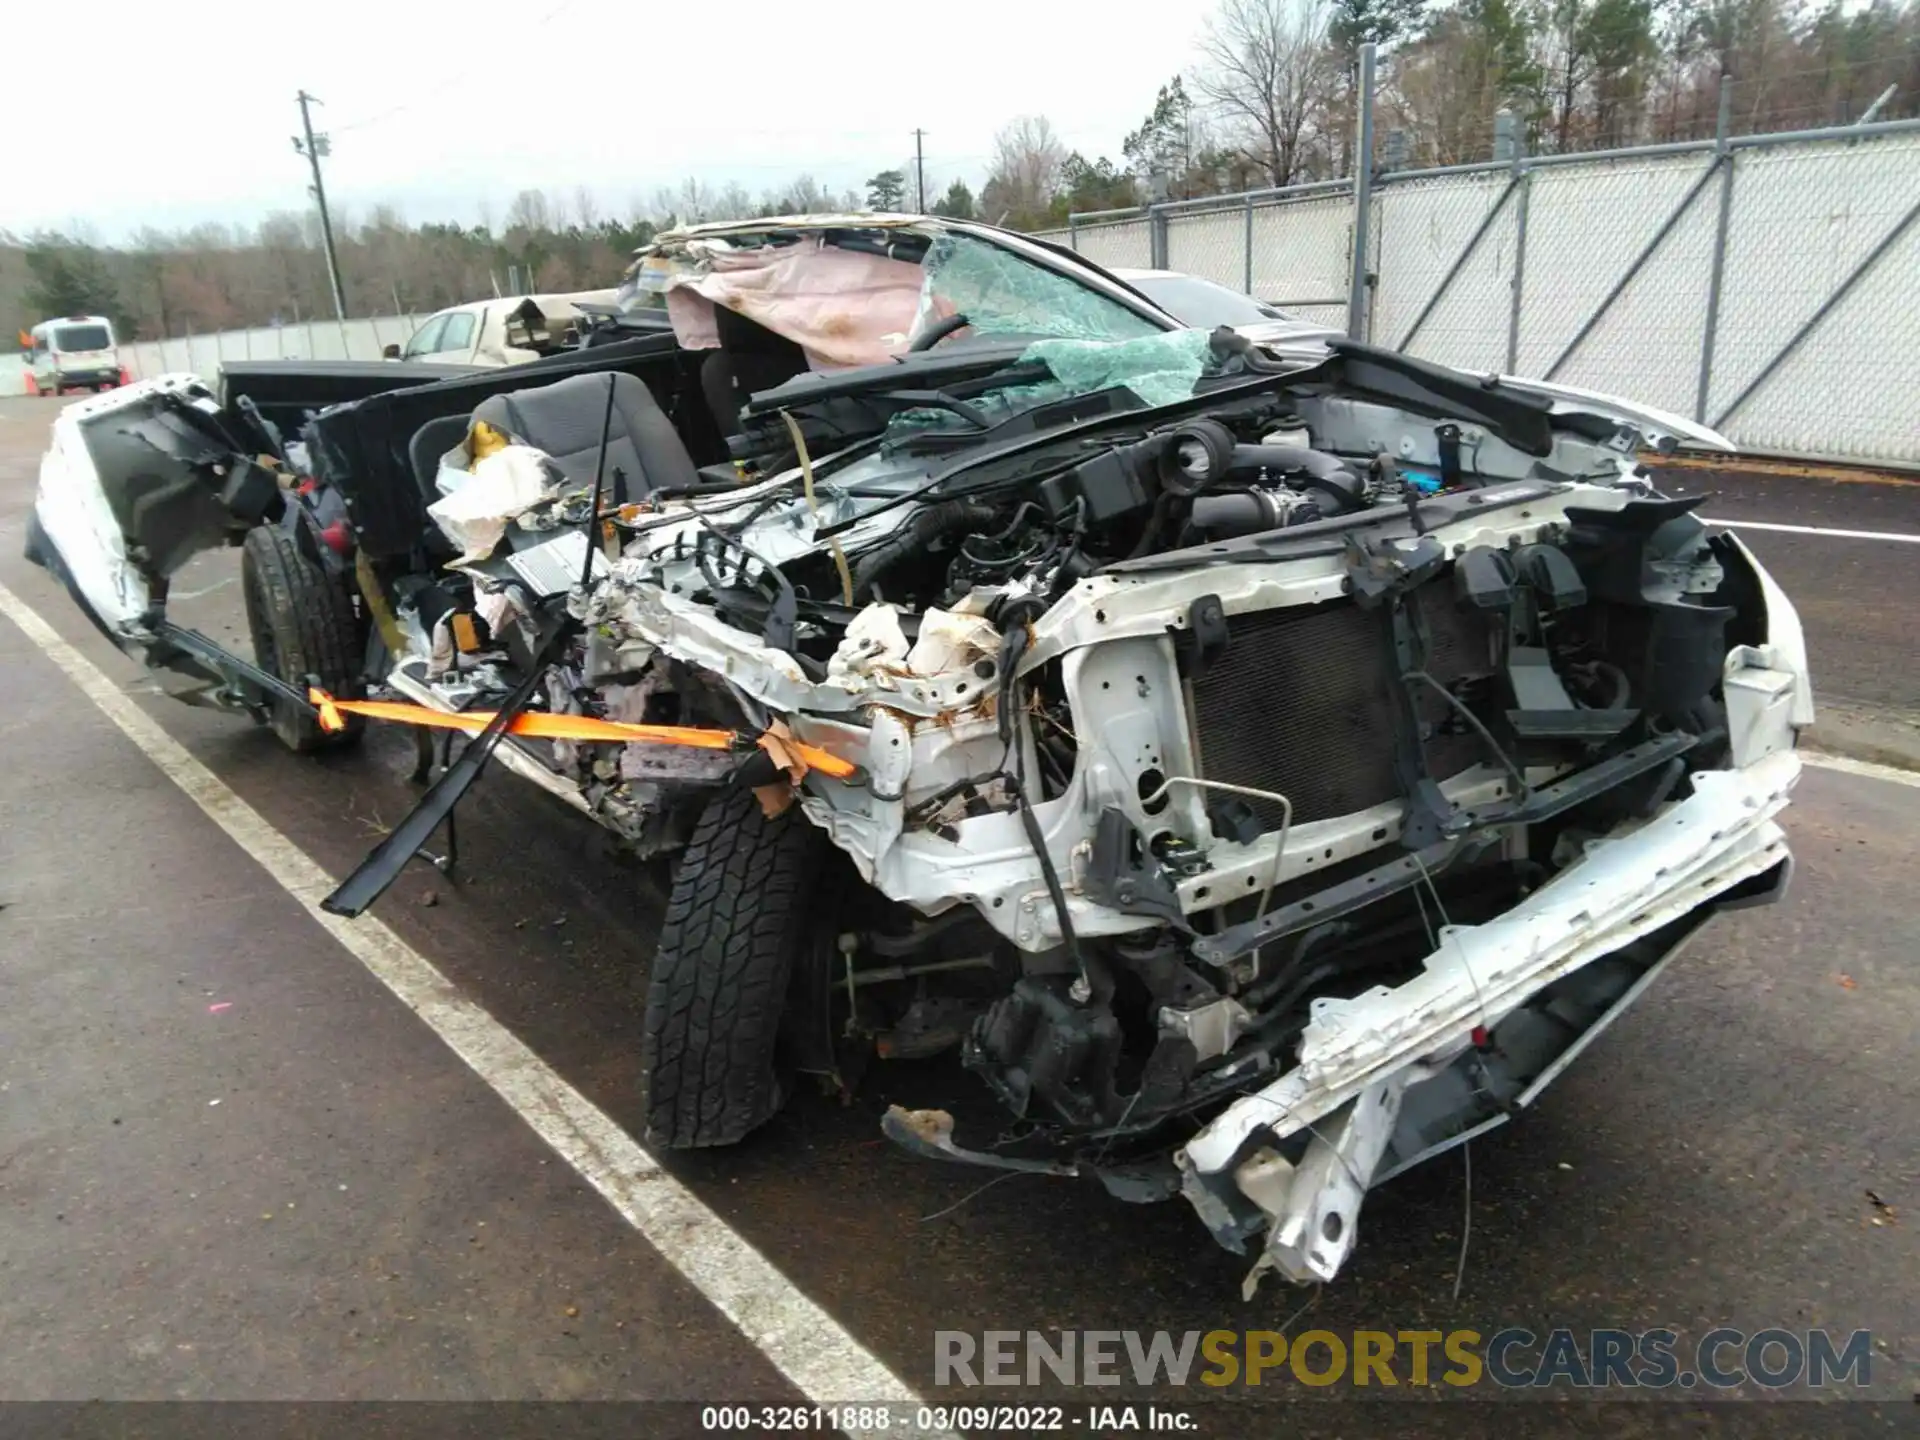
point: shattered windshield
(1156, 369)
(1002, 294)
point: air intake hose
(1246, 512)
(935, 522)
(1326, 474)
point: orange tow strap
(783, 748)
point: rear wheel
(303, 626)
(750, 896)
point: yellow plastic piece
(483, 440)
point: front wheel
(303, 625)
(750, 897)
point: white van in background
(74, 353)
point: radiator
(1300, 704)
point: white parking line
(802, 1341)
(1815, 530)
(1821, 760)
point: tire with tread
(747, 897)
(302, 623)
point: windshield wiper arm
(939, 400)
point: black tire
(750, 895)
(36, 546)
(303, 624)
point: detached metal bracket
(422, 773)
(387, 859)
(239, 684)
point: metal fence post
(1246, 250)
(1073, 233)
(1505, 136)
(1524, 178)
(1362, 198)
(1156, 238)
(1717, 273)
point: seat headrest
(564, 418)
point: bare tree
(1027, 166)
(688, 203)
(585, 208)
(807, 196)
(530, 211)
(1268, 69)
(1472, 61)
(733, 203)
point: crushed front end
(1255, 861)
(1263, 769)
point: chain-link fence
(1114, 243)
(1764, 285)
(1299, 251)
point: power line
(455, 76)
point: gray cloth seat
(564, 420)
(429, 443)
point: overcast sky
(438, 107)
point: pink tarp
(840, 306)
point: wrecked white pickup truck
(1266, 769)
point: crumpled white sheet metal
(1628, 884)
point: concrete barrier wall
(308, 340)
(204, 354)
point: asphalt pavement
(235, 1165)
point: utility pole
(919, 174)
(313, 149)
